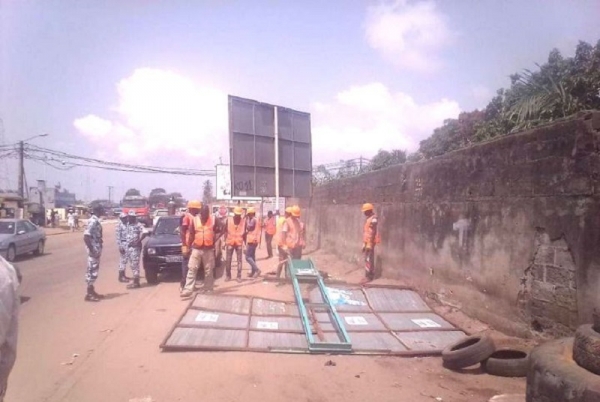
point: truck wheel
(586, 348)
(507, 363)
(468, 352)
(11, 253)
(553, 375)
(151, 274)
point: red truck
(140, 205)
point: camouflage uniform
(122, 243)
(94, 230)
(133, 246)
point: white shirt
(9, 315)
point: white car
(157, 214)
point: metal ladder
(304, 271)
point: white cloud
(160, 113)
(363, 119)
(408, 34)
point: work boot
(185, 293)
(239, 277)
(256, 273)
(91, 295)
(99, 296)
(122, 277)
(135, 284)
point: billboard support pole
(276, 126)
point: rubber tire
(553, 375)
(586, 348)
(467, 352)
(10, 258)
(507, 363)
(40, 248)
(151, 275)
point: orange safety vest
(292, 238)
(253, 236)
(270, 226)
(368, 232)
(204, 235)
(280, 239)
(235, 233)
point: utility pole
(22, 169)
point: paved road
(117, 343)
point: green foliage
(132, 191)
(556, 89)
(384, 159)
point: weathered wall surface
(509, 228)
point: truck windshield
(134, 203)
(7, 228)
(167, 226)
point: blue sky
(146, 81)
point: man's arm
(373, 232)
(9, 315)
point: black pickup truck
(162, 251)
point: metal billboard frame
(258, 133)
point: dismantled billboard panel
(378, 320)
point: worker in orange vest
(201, 240)
(293, 232)
(234, 239)
(280, 237)
(370, 239)
(252, 239)
(270, 226)
(193, 209)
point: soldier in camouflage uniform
(122, 245)
(93, 242)
(134, 234)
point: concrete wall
(510, 229)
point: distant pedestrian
(52, 218)
(93, 242)
(9, 321)
(71, 221)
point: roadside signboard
(270, 150)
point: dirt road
(118, 359)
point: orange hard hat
(288, 210)
(296, 211)
(250, 210)
(195, 204)
(367, 207)
(237, 211)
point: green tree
(321, 175)
(384, 159)
(158, 196)
(132, 191)
(207, 192)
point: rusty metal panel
(414, 321)
(206, 338)
(212, 319)
(395, 300)
(278, 341)
(371, 341)
(429, 340)
(269, 307)
(277, 323)
(226, 304)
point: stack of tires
(480, 349)
(567, 369)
